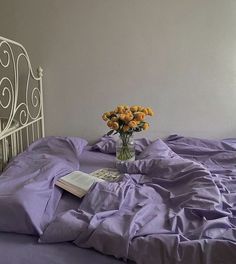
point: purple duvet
(174, 204)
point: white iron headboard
(21, 101)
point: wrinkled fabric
(13, 246)
(28, 197)
(174, 204)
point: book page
(107, 174)
(79, 179)
(72, 189)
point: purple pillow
(158, 149)
(28, 197)
(148, 158)
(106, 144)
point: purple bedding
(28, 197)
(25, 249)
(174, 204)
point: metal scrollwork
(6, 93)
(6, 53)
(28, 107)
(24, 116)
(34, 97)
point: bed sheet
(22, 249)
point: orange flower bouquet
(125, 120)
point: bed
(176, 203)
(21, 123)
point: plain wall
(179, 57)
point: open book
(78, 182)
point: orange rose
(140, 108)
(122, 116)
(150, 111)
(120, 109)
(115, 125)
(109, 123)
(114, 118)
(145, 111)
(132, 124)
(108, 114)
(104, 117)
(134, 108)
(145, 126)
(128, 117)
(139, 116)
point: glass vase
(125, 150)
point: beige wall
(177, 56)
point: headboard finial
(40, 72)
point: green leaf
(110, 132)
(137, 129)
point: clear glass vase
(125, 150)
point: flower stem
(125, 152)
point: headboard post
(40, 75)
